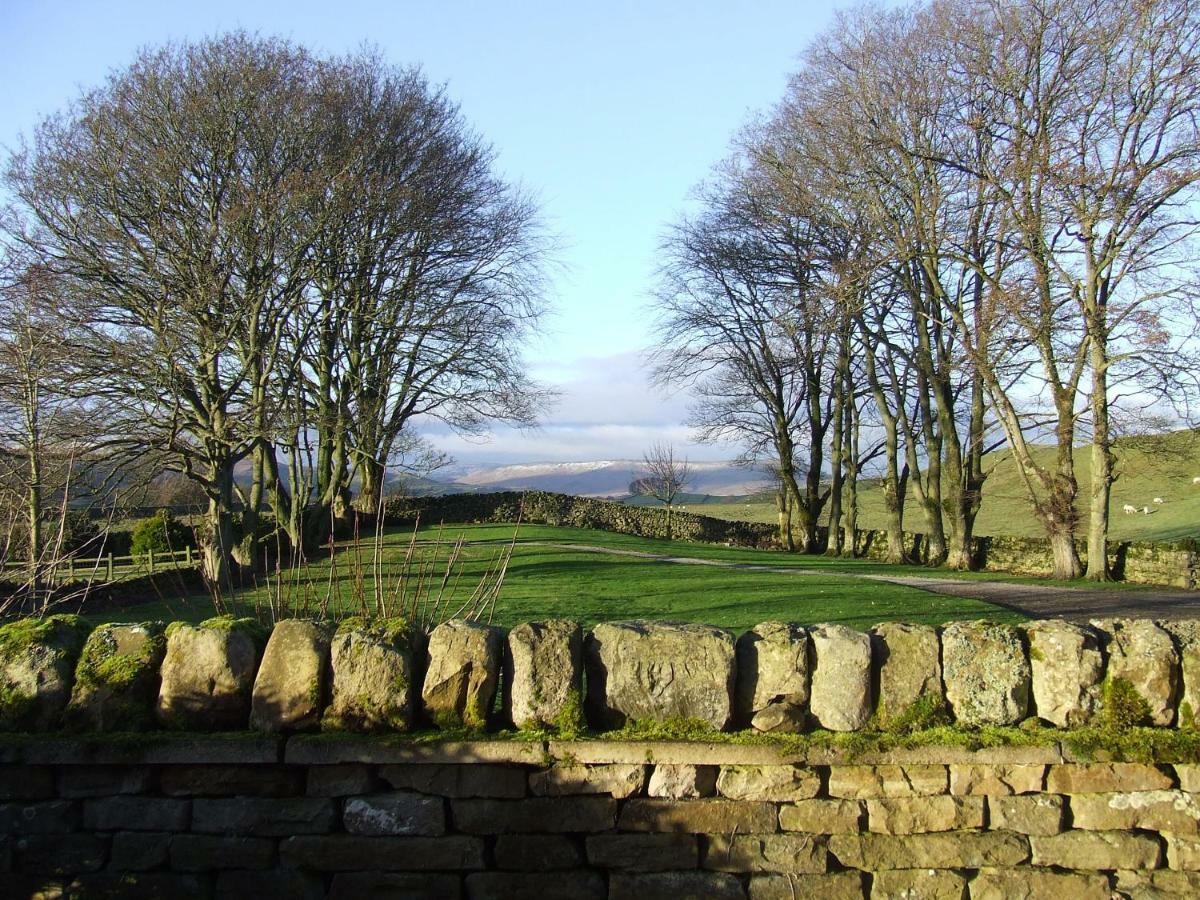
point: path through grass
(556, 581)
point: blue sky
(609, 113)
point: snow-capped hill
(609, 478)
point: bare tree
(663, 476)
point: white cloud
(607, 410)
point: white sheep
(1196, 480)
(1130, 509)
(1145, 510)
(1159, 500)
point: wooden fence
(109, 568)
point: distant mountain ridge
(606, 478)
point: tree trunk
(1067, 566)
(371, 475)
(850, 526)
(782, 498)
(1102, 457)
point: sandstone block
(841, 677)
(1189, 777)
(263, 816)
(208, 674)
(341, 780)
(1095, 850)
(821, 816)
(772, 672)
(659, 671)
(1097, 778)
(1027, 884)
(1173, 811)
(468, 780)
(26, 782)
(462, 674)
(986, 673)
(783, 718)
(918, 815)
(1154, 885)
(1183, 852)
(1030, 814)
(289, 883)
(682, 782)
(136, 814)
(752, 853)
(102, 781)
(643, 852)
(996, 779)
(538, 814)
(1067, 668)
(775, 783)
(918, 884)
(537, 853)
(1187, 637)
(59, 854)
(397, 814)
(203, 852)
(116, 680)
(582, 885)
(910, 667)
(350, 853)
(47, 817)
(675, 886)
(618, 779)
(230, 781)
(698, 816)
(836, 886)
(544, 675)
(964, 850)
(37, 667)
(864, 782)
(1143, 654)
(357, 885)
(139, 851)
(290, 688)
(373, 671)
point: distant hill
(1149, 466)
(607, 478)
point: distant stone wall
(1175, 564)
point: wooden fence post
(110, 567)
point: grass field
(1160, 466)
(554, 581)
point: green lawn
(547, 581)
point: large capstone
(544, 675)
(463, 672)
(1144, 655)
(373, 676)
(208, 674)
(1067, 668)
(116, 681)
(986, 673)
(37, 666)
(659, 671)
(841, 677)
(290, 689)
(910, 668)
(772, 674)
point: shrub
(161, 533)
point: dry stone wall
(344, 817)
(298, 801)
(1174, 564)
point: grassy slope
(1160, 466)
(553, 581)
